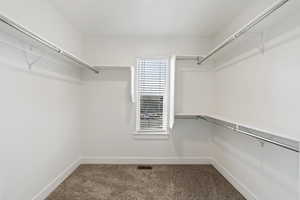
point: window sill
(151, 136)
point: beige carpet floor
(162, 182)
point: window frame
(159, 132)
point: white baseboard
(234, 181)
(146, 160)
(43, 194)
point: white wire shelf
(254, 133)
(38, 42)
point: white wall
(262, 173)
(194, 89)
(109, 127)
(42, 18)
(40, 112)
(122, 51)
(40, 131)
(110, 117)
(259, 90)
(282, 21)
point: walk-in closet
(149, 100)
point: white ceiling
(150, 17)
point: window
(152, 95)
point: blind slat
(152, 84)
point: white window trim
(172, 74)
(159, 134)
(152, 136)
(132, 84)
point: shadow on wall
(110, 123)
(279, 29)
(267, 170)
(20, 56)
(197, 133)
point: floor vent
(144, 167)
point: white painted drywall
(40, 131)
(40, 121)
(109, 126)
(194, 93)
(109, 119)
(43, 19)
(123, 50)
(262, 173)
(260, 91)
(281, 21)
(298, 177)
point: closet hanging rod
(112, 66)
(40, 40)
(245, 28)
(196, 58)
(260, 135)
(266, 137)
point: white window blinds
(152, 95)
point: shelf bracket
(34, 62)
(198, 60)
(27, 59)
(262, 43)
(262, 143)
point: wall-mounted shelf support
(260, 135)
(118, 68)
(262, 42)
(29, 62)
(44, 42)
(245, 28)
